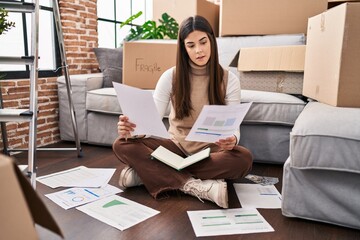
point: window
(18, 43)
(111, 13)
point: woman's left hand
(227, 143)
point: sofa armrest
(88, 82)
(80, 84)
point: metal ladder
(30, 115)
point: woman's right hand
(125, 127)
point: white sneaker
(129, 178)
(212, 190)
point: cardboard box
(332, 60)
(20, 205)
(273, 69)
(264, 17)
(182, 9)
(144, 61)
(281, 82)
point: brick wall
(16, 95)
(79, 21)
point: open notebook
(173, 160)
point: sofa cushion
(267, 107)
(326, 137)
(271, 107)
(110, 63)
(104, 100)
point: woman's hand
(228, 143)
(125, 127)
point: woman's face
(197, 45)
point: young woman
(197, 80)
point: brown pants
(158, 177)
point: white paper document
(78, 177)
(228, 222)
(217, 122)
(258, 196)
(74, 197)
(118, 212)
(139, 106)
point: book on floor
(173, 160)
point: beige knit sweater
(179, 129)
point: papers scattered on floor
(258, 196)
(118, 212)
(228, 222)
(78, 177)
(74, 197)
(262, 180)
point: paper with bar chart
(218, 122)
(119, 212)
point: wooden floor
(172, 222)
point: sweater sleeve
(163, 91)
(233, 96)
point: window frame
(116, 23)
(21, 74)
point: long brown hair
(181, 84)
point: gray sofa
(265, 130)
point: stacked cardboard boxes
(229, 18)
(268, 17)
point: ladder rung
(42, 149)
(22, 7)
(17, 60)
(15, 115)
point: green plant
(168, 28)
(5, 25)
